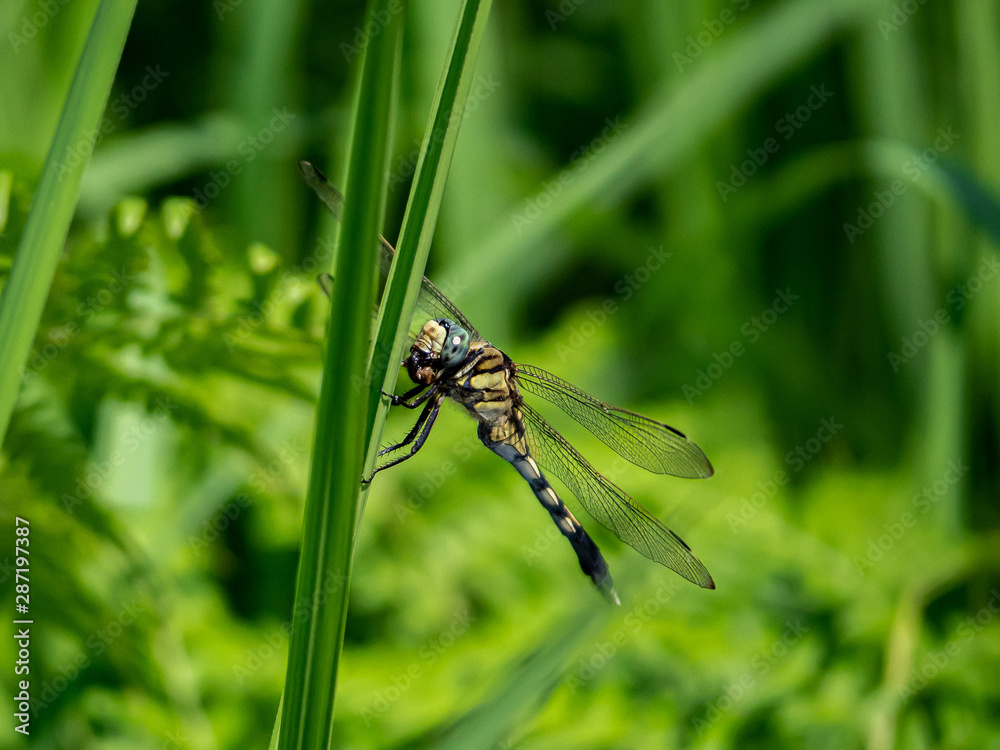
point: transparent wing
(608, 504)
(643, 441)
(431, 300)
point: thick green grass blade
(895, 107)
(262, 84)
(323, 582)
(400, 298)
(41, 245)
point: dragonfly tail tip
(608, 590)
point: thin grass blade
(31, 276)
(526, 690)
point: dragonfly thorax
(441, 344)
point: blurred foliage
(808, 288)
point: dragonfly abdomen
(592, 563)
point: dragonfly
(449, 359)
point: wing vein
(608, 503)
(645, 442)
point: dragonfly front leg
(421, 430)
(407, 399)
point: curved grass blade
(816, 171)
(24, 295)
(526, 690)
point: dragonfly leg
(412, 398)
(409, 436)
(418, 436)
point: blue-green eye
(455, 347)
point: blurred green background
(769, 224)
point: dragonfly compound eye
(455, 347)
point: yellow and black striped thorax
(485, 384)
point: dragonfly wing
(326, 284)
(431, 300)
(322, 187)
(643, 441)
(436, 305)
(608, 504)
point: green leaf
(41, 245)
(323, 581)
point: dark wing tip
(710, 584)
(307, 169)
(707, 470)
(312, 175)
(700, 466)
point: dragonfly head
(442, 343)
